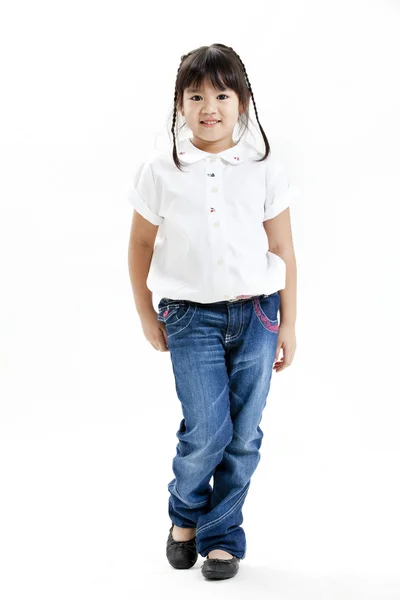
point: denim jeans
(222, 355)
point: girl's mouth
(209, 123)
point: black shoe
(181, 555)
(220, 568)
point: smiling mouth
(208, 125)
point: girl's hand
(154, 330)
(286, 341)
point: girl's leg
(251, 345)
(196, 344)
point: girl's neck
(212, 148)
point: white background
(88, 409)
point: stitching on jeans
(180, 318)
(227, 328)
(167, 310)
(264, 319)
(207, 525)
(229, 338)
(170, 305)
(169, 335)
(192, 504)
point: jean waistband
(230, 301)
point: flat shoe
(220, 568)
(181, 555)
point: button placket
(215, 202)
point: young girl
(224, 265)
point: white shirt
(211, 244)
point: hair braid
(174, 152)
(252, 96)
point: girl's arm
(280, 242)
(288, 295)
(140, 252)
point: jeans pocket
(167, 310)
(266, 308)
(176, 315)
(172, 311)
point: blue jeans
(222, 356)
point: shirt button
(214, 189)
(220, 262)
(216, 224)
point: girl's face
(209, 104)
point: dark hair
(220, 65)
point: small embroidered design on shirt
(181, 153)
(236, 158)
(211, 174)
(165, 313)
(212, 209)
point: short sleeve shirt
(211, 244)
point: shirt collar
(242, 151)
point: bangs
(212, 68)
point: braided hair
(224, 68)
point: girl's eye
(197, 96)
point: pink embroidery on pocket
(165, 313)
(264, 319)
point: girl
(224, 265)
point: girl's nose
(209, 110)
